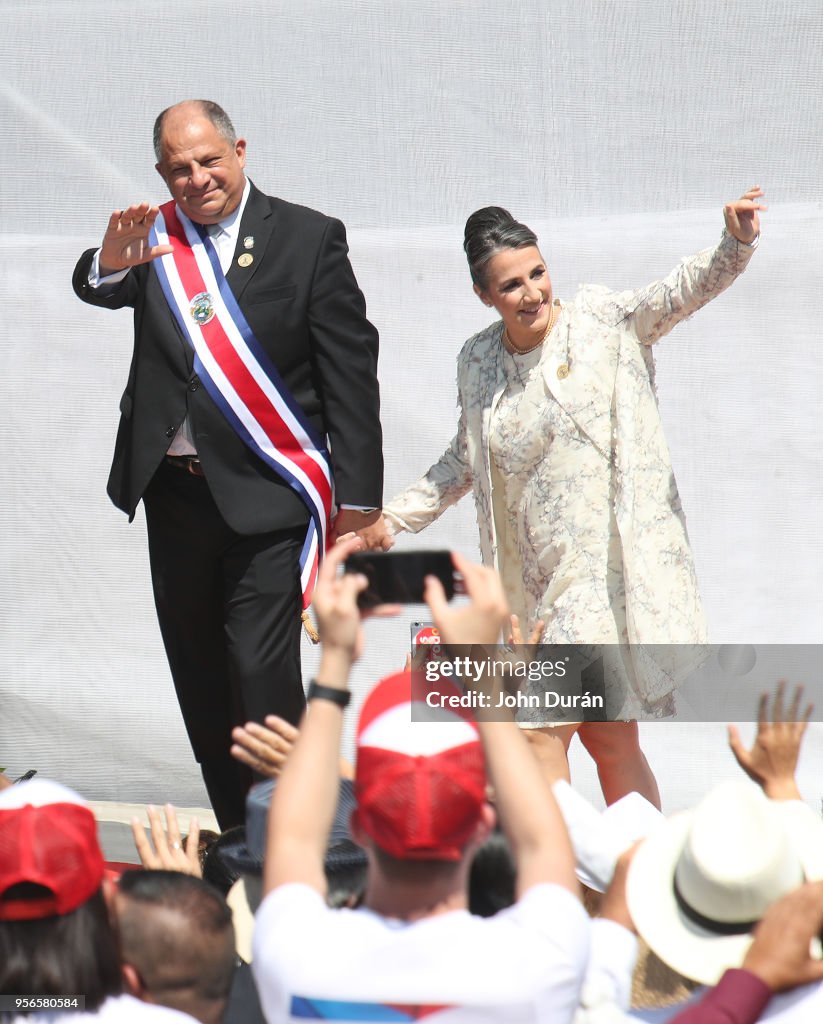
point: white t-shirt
(525, 964)
(608, 985)
(115, 1010)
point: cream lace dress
(552, 500)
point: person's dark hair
(488, 231)
(176, 891)
(492, 877)
(213, 111)
(187, 964)
(345, 867)
(74, 953)
(217, 871)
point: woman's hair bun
(489, 230)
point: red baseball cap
(420, 781)
(48, 837)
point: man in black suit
(225, 529)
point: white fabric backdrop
(615, 128)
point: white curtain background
(615, 128)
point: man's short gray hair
(212, 111)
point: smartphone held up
(398, 577)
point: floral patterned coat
(598, 366)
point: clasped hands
(370, 527)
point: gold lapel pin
(245, 260)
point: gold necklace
(510, 347)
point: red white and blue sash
(240, 376)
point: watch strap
(317, 690)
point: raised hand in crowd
(516, 634)
(335, 608)
(781, 954)
(772, 759)
(167, 850)
(741, 215)
(126, 241)
(780, 958)
(482, 619)
(264, 748)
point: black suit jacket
(302, 301)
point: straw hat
(704, 878)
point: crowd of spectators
(451, 876)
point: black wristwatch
(317, 690)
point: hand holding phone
(398, 577)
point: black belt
(188, 463)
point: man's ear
(111, 894)
(485, 826)
(133, 982)
(240, 151)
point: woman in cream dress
(561, 443)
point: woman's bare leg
(621, 765)
(550, 746)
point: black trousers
(229, 610)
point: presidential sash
(240, 376)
